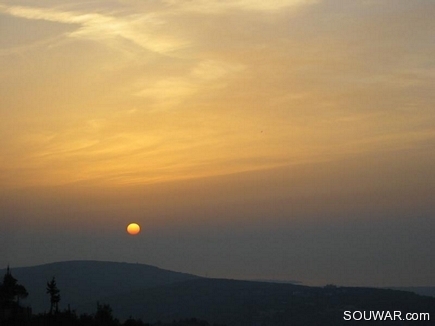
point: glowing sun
(133, 228)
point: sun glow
(133, 228)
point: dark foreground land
(104, 293)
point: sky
(281, 139)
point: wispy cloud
(205, 76)
(217, 6)
(142, 30)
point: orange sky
(265, 102)
(139, 92)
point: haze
(285, 139)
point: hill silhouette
(153, 294)
(421, 290)
(89, 281)
(235, 302)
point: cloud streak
(216, 6)
(206, 76)
(141, 30)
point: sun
(133, 228)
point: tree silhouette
(10, 290)
(104, 316)
(53, 291)
(21, 293)
(11, 313)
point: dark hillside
(253, 303)
(421, 290)
(80, 281)
(152, 294)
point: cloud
(142, 30)
(211, 69)
(220, 6)
(206, 74)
